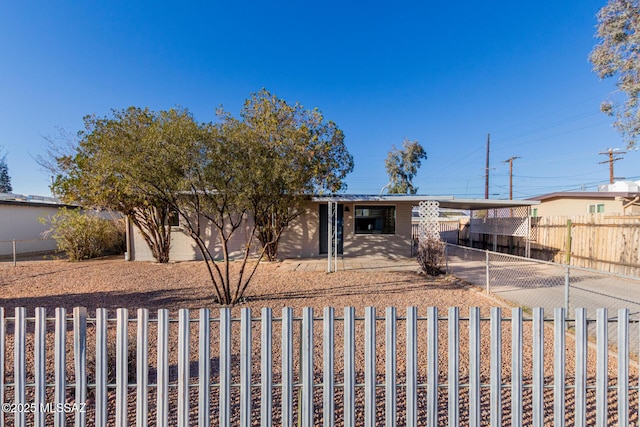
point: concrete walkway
(366, 263)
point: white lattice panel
(429, 212)
(502, 222)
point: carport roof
(449, 202)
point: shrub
(431, 256)
(82, 235)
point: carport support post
(13, 246)
(495, 230)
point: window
(599, 208)
(534, 212)
(174, 218)
(375, 219)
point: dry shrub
(83, 234)
(430, 256)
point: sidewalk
(366, 263)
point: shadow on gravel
(154, 300)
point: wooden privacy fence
(430, 369)
(607, 243)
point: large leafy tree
(209, 184)
(248, 175)
(617, 54)
(5, 179)
(402, 165)
(92, 172)
(292, 153)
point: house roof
(23, 200)
(445, 201)
(599, 195)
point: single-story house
(573, 203)
(20, 221)
(366, 225)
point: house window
(534, 212)
(375, 219)
(174, 218)
(596, 208)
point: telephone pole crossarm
(610, 152)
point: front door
(324, 228)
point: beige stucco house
(583, 203)
(367, 225)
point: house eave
(444, 201)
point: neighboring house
(367, 225)
(582, 203)
(19, 221)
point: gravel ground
(112, 283)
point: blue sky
(443, 73)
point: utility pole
(510, 161)
(610, 153)
(486, 174)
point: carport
(490, 217)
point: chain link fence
(17, 250)
(533, 283)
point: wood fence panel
(607, 243)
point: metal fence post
(566, 288)
(487, 271)
(13, 246)
(446, 258)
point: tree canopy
(96, 171)
(5, 179)
(402, 166)
(617, 54)
(293, 153)
(215, 176)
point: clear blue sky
(444, 73)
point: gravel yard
(112, 283)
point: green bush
(82, 234)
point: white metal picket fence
(430, 368)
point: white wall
(184, 248)
(20, 222)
